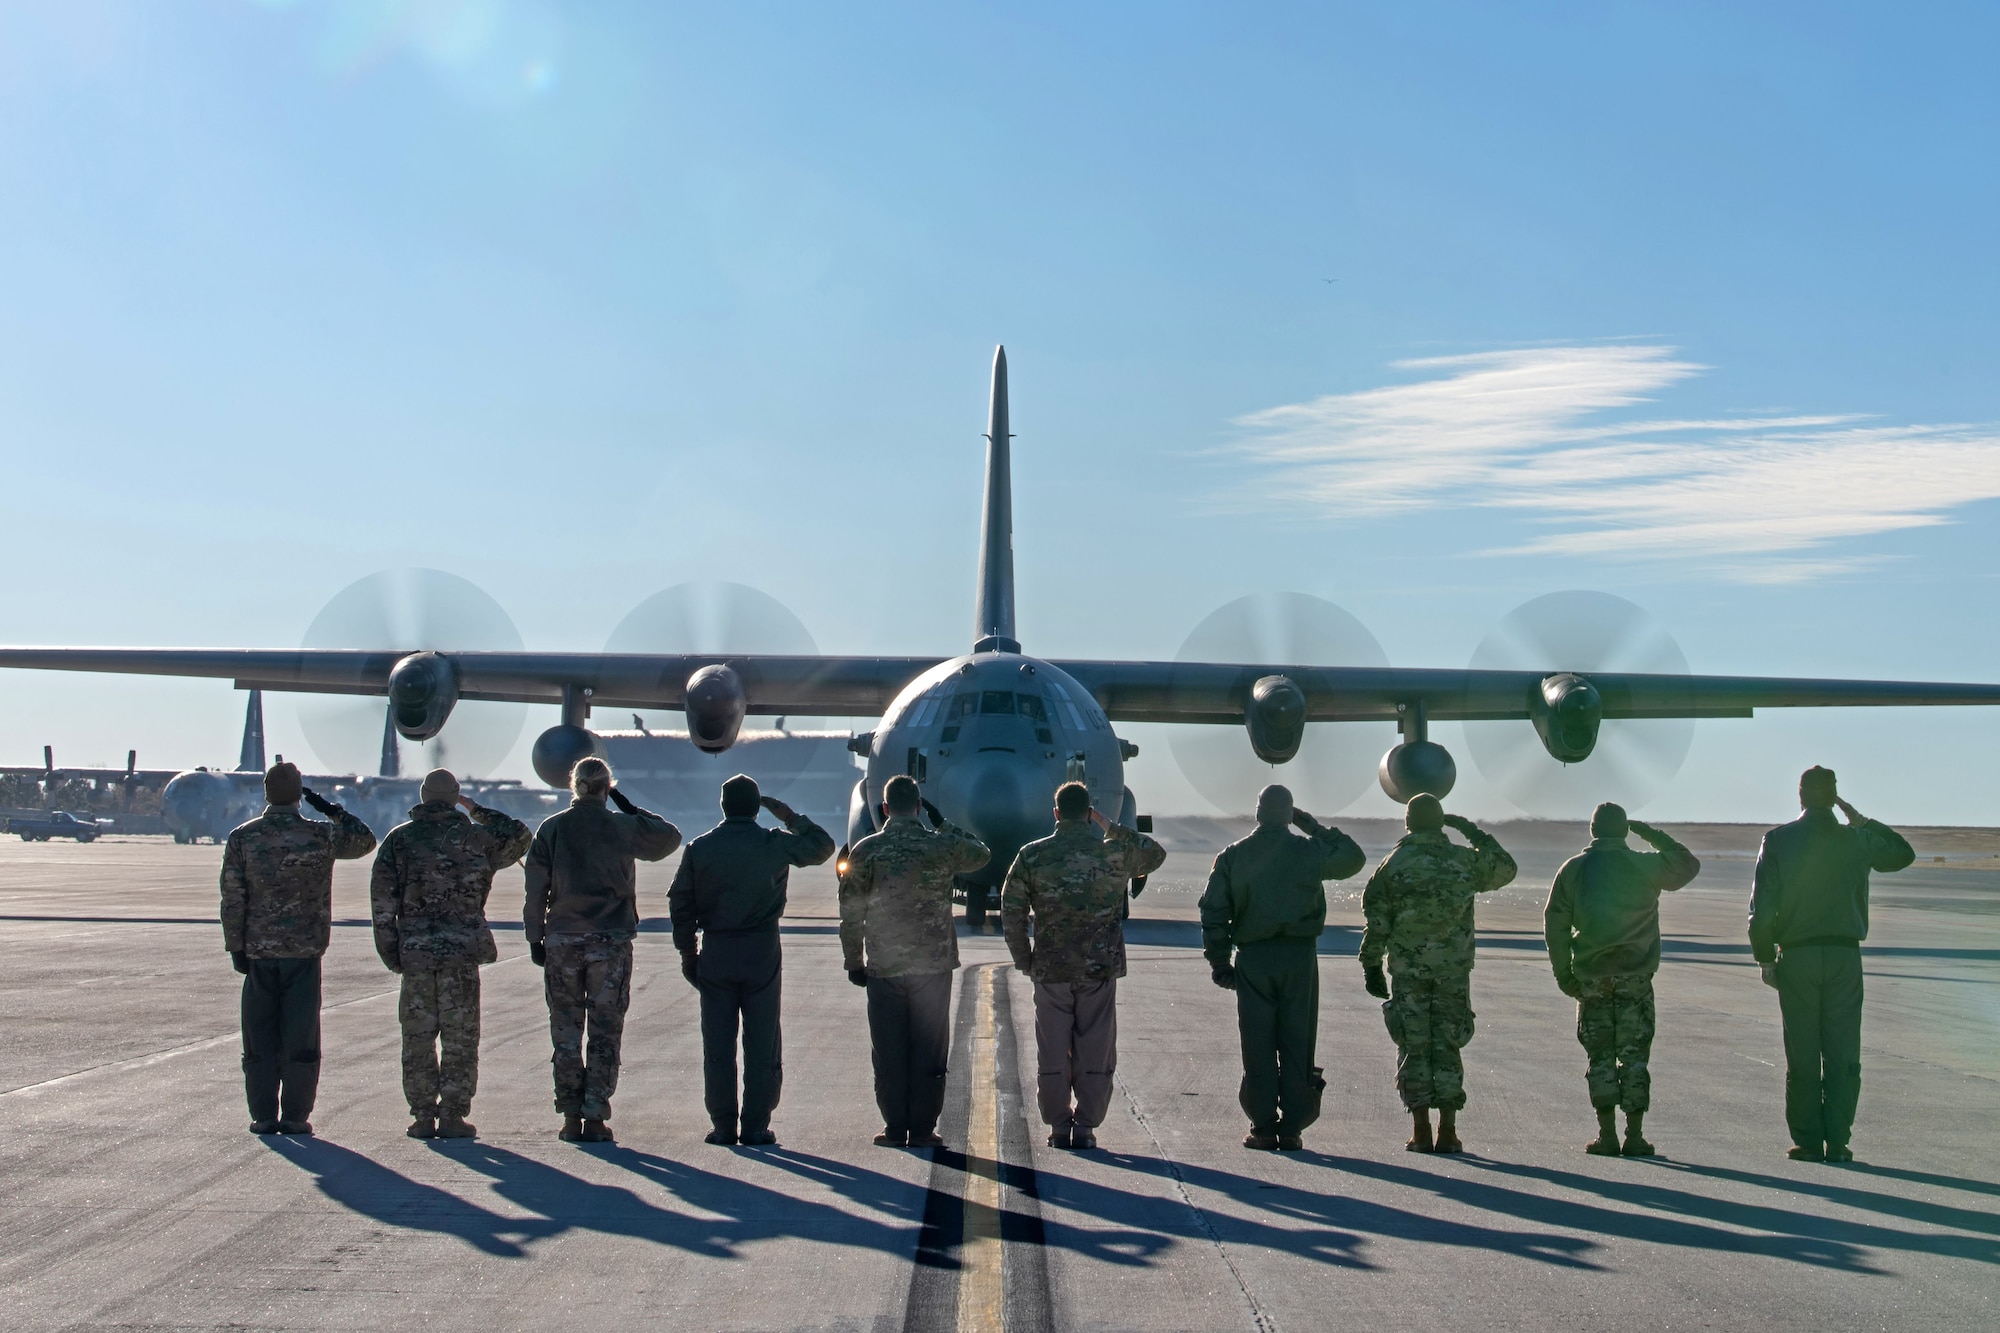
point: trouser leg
(1055, 1011)
(263, 1042)
(1450, 1030)
(1633, 1035)
(1407, 1014)
(417, 1015)
(458, 1036)
(1094, 1046)
(1299, 1083)
(889, 1048)
(607, 994)
(1257, 1034)
(299, 1019)
(929, 1036)
(1799, 1004)
(721, 1003)
(763, 1051)
(563, 986)
(1840, 1042)
(1597, 1033)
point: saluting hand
(783, 813)
(1097, 818)
(623, 802)
(935, 815)
(316, 801)
(1302, 821)
(1853, 816)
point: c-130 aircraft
(991, 733)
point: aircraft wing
(1128, 691)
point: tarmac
(132, 1197)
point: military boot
(572, 1128)
(1635, 1139)
(1839, 1152)
(454, 1126)
(1059, 1135)
(422, 1126)
(596, 1131)
(1082, 1138)
(1420, 1130)
(1291, 1143)
(892, 1138)
(1606, 1142)
(1447, 1139)
(297, 1128)
(1258, 1141)
(263, 1126)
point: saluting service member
(895, 899)
(1419, 909)
(429, 889)
(581, 915)
(726, 899)
(1808, 916)
(1071, 885)
(1602, 924)
(1261, 919)
(277, 916)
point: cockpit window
(996, 701)
(1031, 706)
(963, 706)
(1065, 710)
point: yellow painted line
(981, 1295)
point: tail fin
(251, 759)
(993, 630)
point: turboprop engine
(423, 689)
(715, 705)
(1275, 717)
(1567, 711)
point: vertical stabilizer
(251, 759)
(993, 628)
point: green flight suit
(1266, 902)
(1602, 924)
(1809, 914)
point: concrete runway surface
(132, 1196)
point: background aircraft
(992, 732)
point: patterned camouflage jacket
(431, 880)
(1419, 903)
(1073, 883)
(896, 895)
(277, 881)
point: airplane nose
(1001, 797)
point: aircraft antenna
(993, 628)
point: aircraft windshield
(997, 701)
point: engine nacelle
(423, 689)
(558, 749)
(1275, 717)
(1417, 766)
(715, 704)
(1567, 711)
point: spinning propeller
(405, 610)
(1280, 629)
(1583, 632)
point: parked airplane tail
(993, 630)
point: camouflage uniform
(583, 907)
(896, 899)
(1073, 883)
(1809, 914)
(1602, 924)
(1418, 904)
(1262, 915)
(277, 909)
(428, 893)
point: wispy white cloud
(1764, 498)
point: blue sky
(1691, 304)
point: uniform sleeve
(509, 835)
(967, 852)
(680, 904)
(1558, 918)
(1340, 855)
(1016, 900)
(1375, 909)
(535, 910)
(1218, 913)
(1767, 897)
(855, 886)
(385, 901)
(1888, 850)
(1675, 867)
(653, 838)
(1138, 853)
(352, 839)
(805, 843)
(235, 895)
(1492, 867)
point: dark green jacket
(1603, 915)
(1812, 880)
(1271, 885)
(581, 880)
(732, 879)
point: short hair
(1072, 801)
(740, 795)
(901, 795)
(1818, 789)
(591, 778)
(282, 783)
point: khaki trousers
(1076, 1046)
